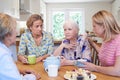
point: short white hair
(72, 23)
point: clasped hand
(69, 46)
(31, 72)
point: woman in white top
(8, 69)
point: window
(59, 17)
(58, 21)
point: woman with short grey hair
(8, 69)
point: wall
(90, 9)
(10, 7)
(27, 5)
(116, 10)
(35, 6)
(43, 12)
(3, 6)
(21, 3)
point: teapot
(51, 60)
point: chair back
(94, 52)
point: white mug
(52, 70)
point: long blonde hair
(107, 20)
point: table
(44, 76)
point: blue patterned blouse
(28, 45)
(81, 51)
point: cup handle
(46, 69)
(58, 57)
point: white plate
(67, 78)
(93, 77)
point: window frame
(67, 14)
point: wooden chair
(94, 52)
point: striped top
(109, 51)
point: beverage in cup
(31, 59)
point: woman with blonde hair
(106, 27)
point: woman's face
(70, 32)
(37, 27)
(98, 30)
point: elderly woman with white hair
(74, 46)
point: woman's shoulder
(118, 36)
(117, 39)
(82, 37)
(26, 33)
(4, 50)
(47, 33)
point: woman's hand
(39, 59)
(63, 61)
(69, 46)
(89, 66)
(23, 59)
(31, 72)
(27, 72)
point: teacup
(51, 60)
(31, 59)
(52, 70)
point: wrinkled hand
(63, 60)
(24, 60)
(69, 46)
(31, 72)
(27, 72)
(89, 66)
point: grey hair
(72, 23)
(7, 24)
